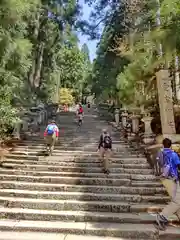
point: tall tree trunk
(39, 60)
(34, 53)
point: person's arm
(45, 132)
(100, 141)
(57, 131)
(111, 143)
(160, 159)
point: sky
(84, 39)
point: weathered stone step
(70, 180)
(17, 235)
(79, 181)
(89, 142)
(30, 157)
(130, 163)
(72, 143)
(77, 216)
(81, 164)
(69, 143)
(129, 231)
(74, 153)
(57, 153)
(78, 158)
(134, 177)
(95, 158)
(77, 169)
(76, 205)
(81, 188)
(172, 233)
(86, 139)
(161, 199)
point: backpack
(167, 170)
(80, 110)
(50, 130)
(107, 141)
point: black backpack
(107, 141)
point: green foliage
(108, 64)
(65, 96)
(128, 53)
(39, 53)
(7, 113)
(71, 64)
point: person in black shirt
(105, 149)
(88, 106)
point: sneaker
(106, 172)
(161, 222)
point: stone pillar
(135, 123)
(165, 103)
(148, 134)
(124, 119)
(117, 116)
(17, 129)
(25, 124)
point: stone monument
(117, 116)
(124, 116)
(135, 123)
(166, 103)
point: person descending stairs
(69, 194)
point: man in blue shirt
(169, 162)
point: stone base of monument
(131, 136)
(148, 139)
(175, 138)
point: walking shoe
(106, 171)
(161, 222)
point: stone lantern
(116, 115)
(148, 134)
(124, 116)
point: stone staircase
(69, 194)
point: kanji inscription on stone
(165, 102)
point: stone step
(95, 158)
(73, 138)
(57, 153)
(172, 233)
(88, 142)
(17, 235)
(76, 164)
(76, 169)
(25, 157)
(81, 188)
(79, 181)
(72, 143)
(76, 216)
(161, 199)
(76, 205)
(72, 153)
(70, 180)
(70, 147)
(129, 231)
(78, 158)
(134, 177)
